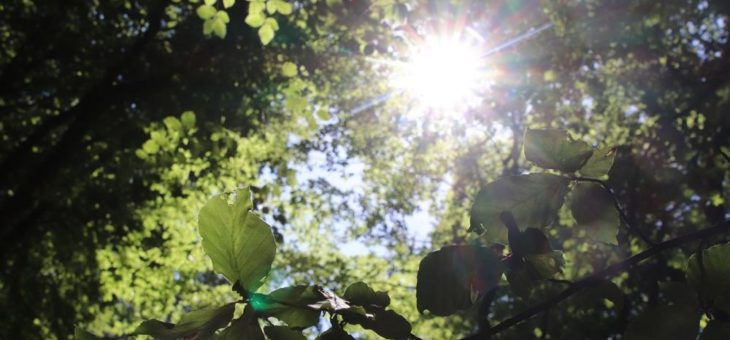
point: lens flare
(442, 74)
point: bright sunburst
(442, 73)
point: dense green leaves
(554, 149)
(665, 322)
(238, 242)
(533, 200)
(200, 324)
(714, 285)
(594, 212)
(450, 278)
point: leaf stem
(609, 271)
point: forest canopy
(365, 169)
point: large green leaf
(449, 277)
(389, 325)
(239, 243)
(665, 322)
(283, 333)
(298, 306)
(361, 294)
(716, 287)
(200, 324)
(533, 200)
(245, 327)
(594, 211)
(599, 164)
(554, 149)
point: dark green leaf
(335, 333)
(554, 149)
(361, 294)
(283, 333)
(716, 330)
(597, 292)
(245, 327)
(716, 287)
(389, 325)
(679, 293)
(594, 211)
(201, 323)
(81, 334)
(240, 244)
(450, 277)
(599, 164)
(665, 322)
(533, 200)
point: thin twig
(621, 212)
(609, 271)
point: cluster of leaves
(457, 276)
(260, 16)
(242, 248)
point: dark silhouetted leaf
(554, 149)
(361, 294)
(201, 323)
(533, 200)
(449, 278)
(665, 322)
(283, 333)
(389, 325)
(594, 211)
(245, 327)
(716, 287)
(716, 330)
(335, 333)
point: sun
(442, 73)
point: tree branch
(621, 212)
(609, 271)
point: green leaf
(361, 294)
(665, 322)
(255, 19)
(245, 327)
(283, 333)
(599, 164)
(289, 69)
(172, 123)
(81, 334)
(533, 200)
(716, 330)
(223, 16)
(150, 147)
(716, 287)
(208, 27)
(554, 149)
(205, 12)
(239, 243)
(271, 6)
(188, 119)
(284, 7)
(219, 28)
(448, 278)
(545, 266)
(597, 292)
(228, 3)
(594, 211)
(266, 34)
(297, 306)
(200, 324)
(210, 2)
(389, 325)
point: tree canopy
(333, 169)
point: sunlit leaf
(188, 119)
(599, 164)
(289, 69)
(205, 12)
(533, 200)
(228, 3)
(297, 306)
(81, 334)
(201, 324)
(255, 19)
(239, 243)
(266, 34)
(219, 28)
(554, 149)
(449, 277)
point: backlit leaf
(665, 322)
(554, 149)
(599, 164)
(594, 211)
(716, 287)
(201, 324)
